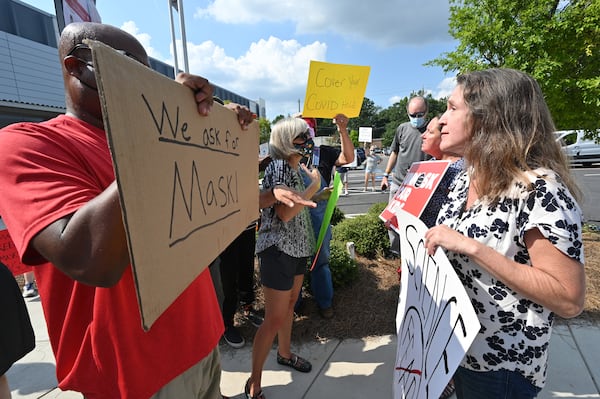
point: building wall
(30, 72)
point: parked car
(578, 149)
(387, 151)
(361, 157)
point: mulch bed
(368, 306)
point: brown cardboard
(188, 184)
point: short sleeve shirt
(407, 145)
(50, 170)
(515, 332)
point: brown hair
(512, 131)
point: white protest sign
(435, 321)
(365, 134)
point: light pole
(178, 6)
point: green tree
(367, 116)
(354, 137)
(555, 41)
(265, 130)
(277, 119)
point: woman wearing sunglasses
(284, 244)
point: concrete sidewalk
(353, 368)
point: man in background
(406, 149)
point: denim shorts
(278, 269)
(498, 384)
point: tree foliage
(265, 130)
(555, 41)
(383, 121)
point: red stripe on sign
(9, 255)
(79, 10)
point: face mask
(417, 122)
(306, 148)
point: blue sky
(262, 48)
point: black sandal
(295, 362)
(259, 395)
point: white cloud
(394, 99)
(276, 69)
(444, 89)
(144, 38)
(273, 69)
(387, 23)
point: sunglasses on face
(82, 46)
(417, 115)
(304, 136)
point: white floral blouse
(515, 332)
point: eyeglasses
(82, 46)
(418, 114)
(304, 136)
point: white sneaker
(364, 191)
(29, 290)
(345, 192)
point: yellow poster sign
(335, 89)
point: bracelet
(386, 175)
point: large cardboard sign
(335, 89)
(436, 323)
(9, 255)
(188, 184)
(416, 190)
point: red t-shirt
(49, 170)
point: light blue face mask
(417, 122)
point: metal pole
(186, 67)
(173, 39)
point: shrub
(366, 231)
(377, 208)
(344, 269)
(337, 216)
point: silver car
(579, 149)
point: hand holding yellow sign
(335, 89)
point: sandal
(295, 362)
(259, 395)
(448, 391)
